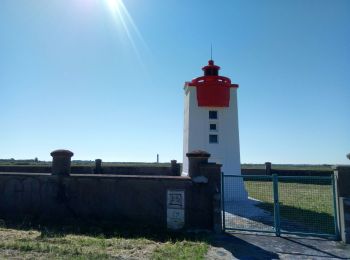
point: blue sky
(108, 84)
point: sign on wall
(175, 209)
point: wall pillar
(342, 177)
(206, 192)
(98, 166)
(195, 159)
(175, 168)
(61, 162)
(268, 167)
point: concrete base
(234, 189)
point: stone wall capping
(60, 152)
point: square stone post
(61, 162)
(206, 191)
(195, 160)
(175, 168)
(342, 177)
(268, 167)
(98, 166)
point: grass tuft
(181, 250)
(50, 244)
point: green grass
(32, 244)
(308, 167)
(311, 205)
(181, 250)
(32, 162)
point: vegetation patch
(299, 167)
(34, 244)
(181, 250)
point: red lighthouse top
(212, 90)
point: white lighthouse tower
(211, 124)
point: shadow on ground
(251, 246)
(242, 249)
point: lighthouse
(211, 124)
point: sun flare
(125, 24)
(114, 5)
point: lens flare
(113, 5)
(123, 19)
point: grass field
(309, 204)
(32, 162)
(10, 162)
(32, 244)
(307, 167)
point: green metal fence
(301, 205)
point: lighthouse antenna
(211, 51)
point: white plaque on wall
(175, 209)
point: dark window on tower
(213, 114)
(212, 127)
(211, 72)
(213, 139)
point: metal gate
(300, 205)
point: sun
(114, 5)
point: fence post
(223, 201)
(342, 181)
(276, 205)
(336, 227)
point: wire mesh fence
(306, 205)
(293, 204)
(244, 206)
